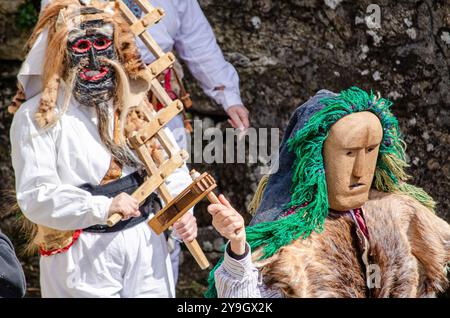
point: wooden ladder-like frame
(158, 166)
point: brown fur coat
(406, 255)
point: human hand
(126, 205)
(186, 227)
(238, 117)
(230, 224)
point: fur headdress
(58, 19)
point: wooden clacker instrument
(161, 164)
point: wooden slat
(165, 194)
(160, 65)
(145, 37)
(166, 143)
(151, 18)
(158, 121)
(145, 156)
(157, 174)
(179, 206)
(147, 188)
(151, 45)
(167, 168)
(196, 251)
(160, 92)
(145, 5)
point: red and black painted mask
(88, 46)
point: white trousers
(130, 263)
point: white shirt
(50, 165)
(186, 29)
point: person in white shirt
(186, 30)
(72, 172)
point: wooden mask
(350, 156)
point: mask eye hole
(349, 153)
(102, 43)
(82, 46)
(370, 149)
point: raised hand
(230, 224)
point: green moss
(26, 16)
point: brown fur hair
(55, 64)
(408, 242)
(324, 265)
(17, 100)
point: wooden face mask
(350, 156)
(88, 44)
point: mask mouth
(356, 185)
(89, 75)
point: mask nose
(93, 62)
(358, 166)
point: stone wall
(285, 51)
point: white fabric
(186, 29)
(241, 279)
(176, 126)
(30, 74)
(129, 264)
(49, 165)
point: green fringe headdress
(308, 203)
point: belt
(127, 184)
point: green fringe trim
(309, 182)
(417, 193)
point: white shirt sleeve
(196, 44)
(41, 195)
(241, 279)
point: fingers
(220, 212)
(231, 231)
(226, 214)
(224, 201)
(235, 120)
(188, 235)
(243, 115)
(186, 227)
(231, 123)
(229, 223)
(215, 208)
(239, 117)
(125, 205)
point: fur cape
(407, 254)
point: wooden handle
(196, 251)
(114, 219)
(213, 198)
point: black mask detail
(95, 80)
